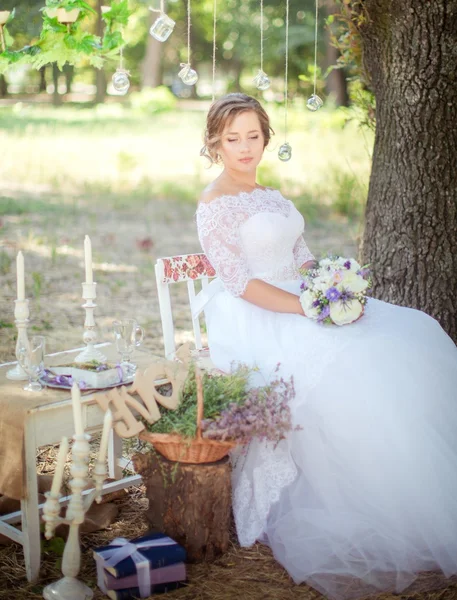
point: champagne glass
(128, 335)
(30, 356)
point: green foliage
(345, 28)
(153, 100)
(218, 392)
(67, 43)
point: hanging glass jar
(285, 152)
(314, 103)
(188, 75)
(121, 81)
(162, 27)
(262, 81)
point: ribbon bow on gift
(121, 548)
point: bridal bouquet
(335, 291)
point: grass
(121, 159)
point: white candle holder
(21, 315)
(69, 587)
(90, 331)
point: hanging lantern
(262, 81)
(121, 81)
(285, 152)
(162, 28)
(188, 75)
(314, 103)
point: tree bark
(42, 84)
(151, 67)
(3, 87)
(191, 503)
(336, 81)
(100, 75)
(410, 237)
(56, 97)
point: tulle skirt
(364, 495)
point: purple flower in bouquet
(325, 313)
(332, 294)
(346, 295)
(347, 264)
(363, 272)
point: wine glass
(30, 355)
(128, 335)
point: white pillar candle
(77, 409)
(88, 259)
(20, 276)
(107, 423)
(58, 473)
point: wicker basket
(194, 450)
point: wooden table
(46, 423)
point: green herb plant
(218, 391)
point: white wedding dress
(364, 495)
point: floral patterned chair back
(177, 269)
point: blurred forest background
(76, 158)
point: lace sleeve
(218, 232)
(302, 253)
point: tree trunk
(42, 84)
(151, 67)
(335, 84)
(3, 87)
(56, 97)
(410, 238)
(191, 503)
(100, 75)
(69, 73)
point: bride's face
(242, 142)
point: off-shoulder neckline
(239, 195)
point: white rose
(322, 282)
(353, 282)
(306, 300)
(343, 314)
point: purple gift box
(168, 574)
(152, 563)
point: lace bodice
(253, 235)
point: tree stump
(191, 503)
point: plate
(62, 386)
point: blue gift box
(124, 557)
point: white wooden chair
(187, 268)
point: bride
(364, 495)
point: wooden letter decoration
(123, 405)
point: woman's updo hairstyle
(222, 112)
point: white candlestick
(77, 409)
(20, 276)
(58, 474)
(107, 423)
(88, 259)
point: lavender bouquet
(335, 291)
(233, 410)
(263, 414)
